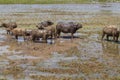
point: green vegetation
(52, 1)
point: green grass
(50, 1)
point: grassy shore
(51, 1)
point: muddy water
(24, 59)
(90, 50)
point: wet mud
(86, 57)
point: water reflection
(110, 47)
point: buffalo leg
(51, 36)
(117, 38)
(16, 36)
(58, 32)
(54, 35)
(25, 37)
(107, 37)
(103, 36)
(113, 37)
(7, 32)
(33, 38)
(45, 38)
(71, 35)
(38, 39)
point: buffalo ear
(50, 22)
(15, 26)
(4, 25)
(38, 25)
(78, 25)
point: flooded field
(84, 58)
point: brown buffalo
(51, 30)
(9, 26)
(36, 34)
(111, 30)
(21, 32)
(70, 27)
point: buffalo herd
(46, 29)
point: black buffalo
(69, 27)
(44, 24)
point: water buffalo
(36, 34)
(44, 24)
(111, 30)
(50, 30)
(21, 32)
(69, 27)
(9, 26)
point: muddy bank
(19, 56)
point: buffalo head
(4, 25)
(39, 26)
(78, 25)
(49, 22)
(44, 24)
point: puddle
(55, 59)
(50, 41)
(3, 64)
(17, 57)
(80, 34)
(94, 37)
(52, 74)
(2, 36)
(20, 39)
(4, 49)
